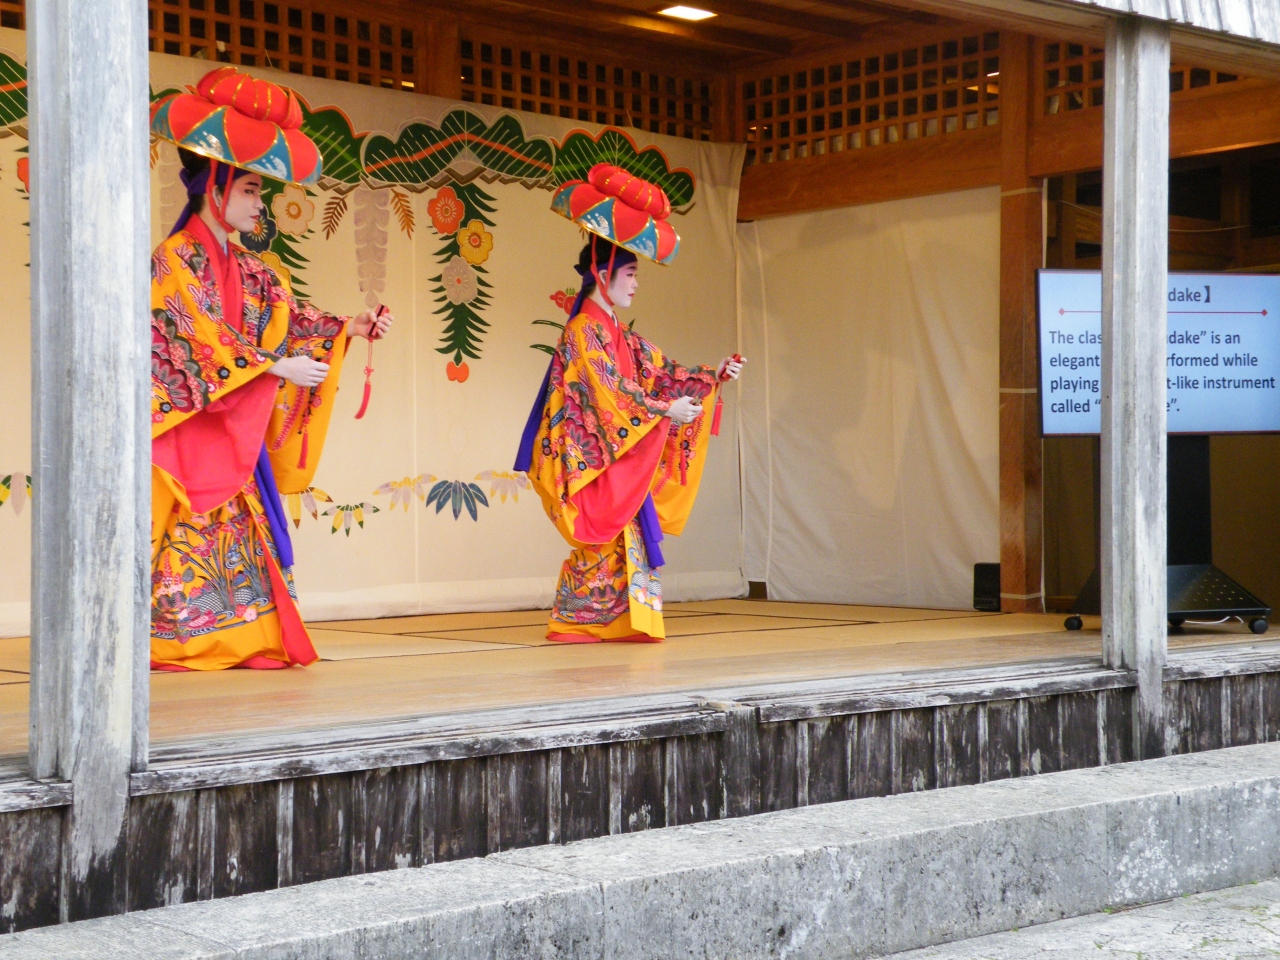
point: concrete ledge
(834, 881)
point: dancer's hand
(303, 371)
(685, 409)
(370, 325)
(730, 367)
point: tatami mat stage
(413, 666)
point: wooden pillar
(1021, 253)
(444, 59)
(90, 311)
(1135, 265)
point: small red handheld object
(715, 417)
(368, 370)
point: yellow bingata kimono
(603, 446)
(220, 597)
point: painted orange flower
(445, 211)
(24, 172)
(475, 243)
(293, 211)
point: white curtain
(870, 409)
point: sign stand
(1197, 589)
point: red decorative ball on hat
(622, 208)
(242, 121)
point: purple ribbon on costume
(651, 530)
(270, 495)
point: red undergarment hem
(572, 638)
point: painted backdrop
(440, 210)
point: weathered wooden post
(90, 201)
(1135, 266)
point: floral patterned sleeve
(669, 379)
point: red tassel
(302, 460)
(368, 373)
(715, 417)
(364, 403)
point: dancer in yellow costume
(243, 380)
(616, 441)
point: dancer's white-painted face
(623, 285)
(244, 205)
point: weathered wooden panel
(1079, 734)
(915, 748)
(1001, 752)
(1269, 684)
(30, 861)
(830, 741)
(322, 813)
(1201, 727)
(164, 835)
(958, 750)
(1042, 736)
(584, 789)
(641, 795)
(245, 849)
(461, 815)
(779, 786)
(386, 829)
(522, 800)
(873, 752)
(741, 762)
(1117, 708)
(1244, 711)
(699, 788)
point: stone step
(841, 880)
(1239, 922)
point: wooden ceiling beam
(887, 10)
(781, 17)
(704, 34)
(704, 61)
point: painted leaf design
(580, 151)
(333, 213)
(458, 495)
(423, 153)
(338, 143)
(403, 207)
(13, 91)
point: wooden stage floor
(377, 670)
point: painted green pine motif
(464, 327)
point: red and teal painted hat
(622, 208)
(241, 121)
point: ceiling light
(687, 13)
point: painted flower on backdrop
(445, 211)
(15, 489)
(403, 491)
(24, 172)
(344, 513)
(293, 211)
(475, 243)
(459, 281)
(309, 500)
(503, 483)
(259, 238)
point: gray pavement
(1233, 924)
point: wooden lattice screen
(12, 14)
(526, 74)
(1071, 77)
(318, 38)
(942, 86)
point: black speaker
(986, 587)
